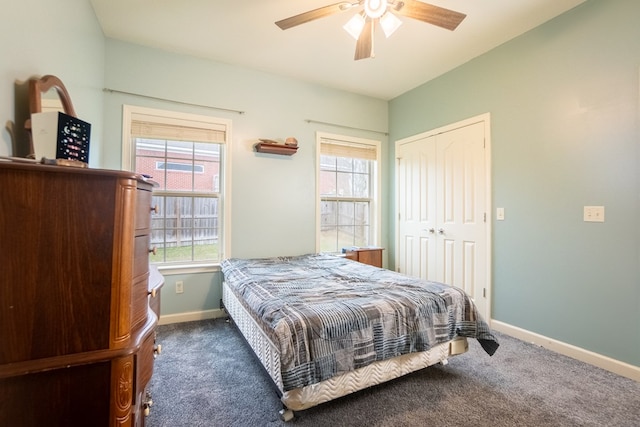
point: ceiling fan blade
(429, 13)
(364, 46)
(311, 15)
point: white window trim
(128, 155)
(376, 211)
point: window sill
(168, 269)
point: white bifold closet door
(441, 209)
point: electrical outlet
(179, 287)
(593, 214)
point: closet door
(460, 206)
(416, 177)
(441, 208)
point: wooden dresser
(78, 302)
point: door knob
(430, 230)
(441, 230)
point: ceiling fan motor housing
(375, 8)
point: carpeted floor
(207, 376)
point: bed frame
(342, 385)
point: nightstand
(371, 256)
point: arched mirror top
(46, 92)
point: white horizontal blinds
(175, 129)
(330, 147)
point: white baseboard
(166, 319)
(595, 359)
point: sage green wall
(273, 197)
(563, 100)
(37, 38)
(564, 111)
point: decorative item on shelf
(270, 146)
(291, 142)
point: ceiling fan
(362, 25)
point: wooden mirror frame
(38, 86)
(28, 101)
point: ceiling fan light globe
(389, 23)
(375, 8)
(354, 26)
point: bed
(324, 326)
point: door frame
(486, 119)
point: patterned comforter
(330, 315)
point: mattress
(308, 396)
(324, 326)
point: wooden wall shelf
(285, 150)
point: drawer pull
(153, 250)
(153, 293)
(147, 404)
(157, 349)
(155, 209)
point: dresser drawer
(141, 256)
(143, 211)
(140, 301)
(144, 361)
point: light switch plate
(594, 213)
(500, 214)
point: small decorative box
(60, 136)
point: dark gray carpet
(207, 376)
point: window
(348, 189)
(187, 156)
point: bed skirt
(341, 385)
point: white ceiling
(242, 32)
